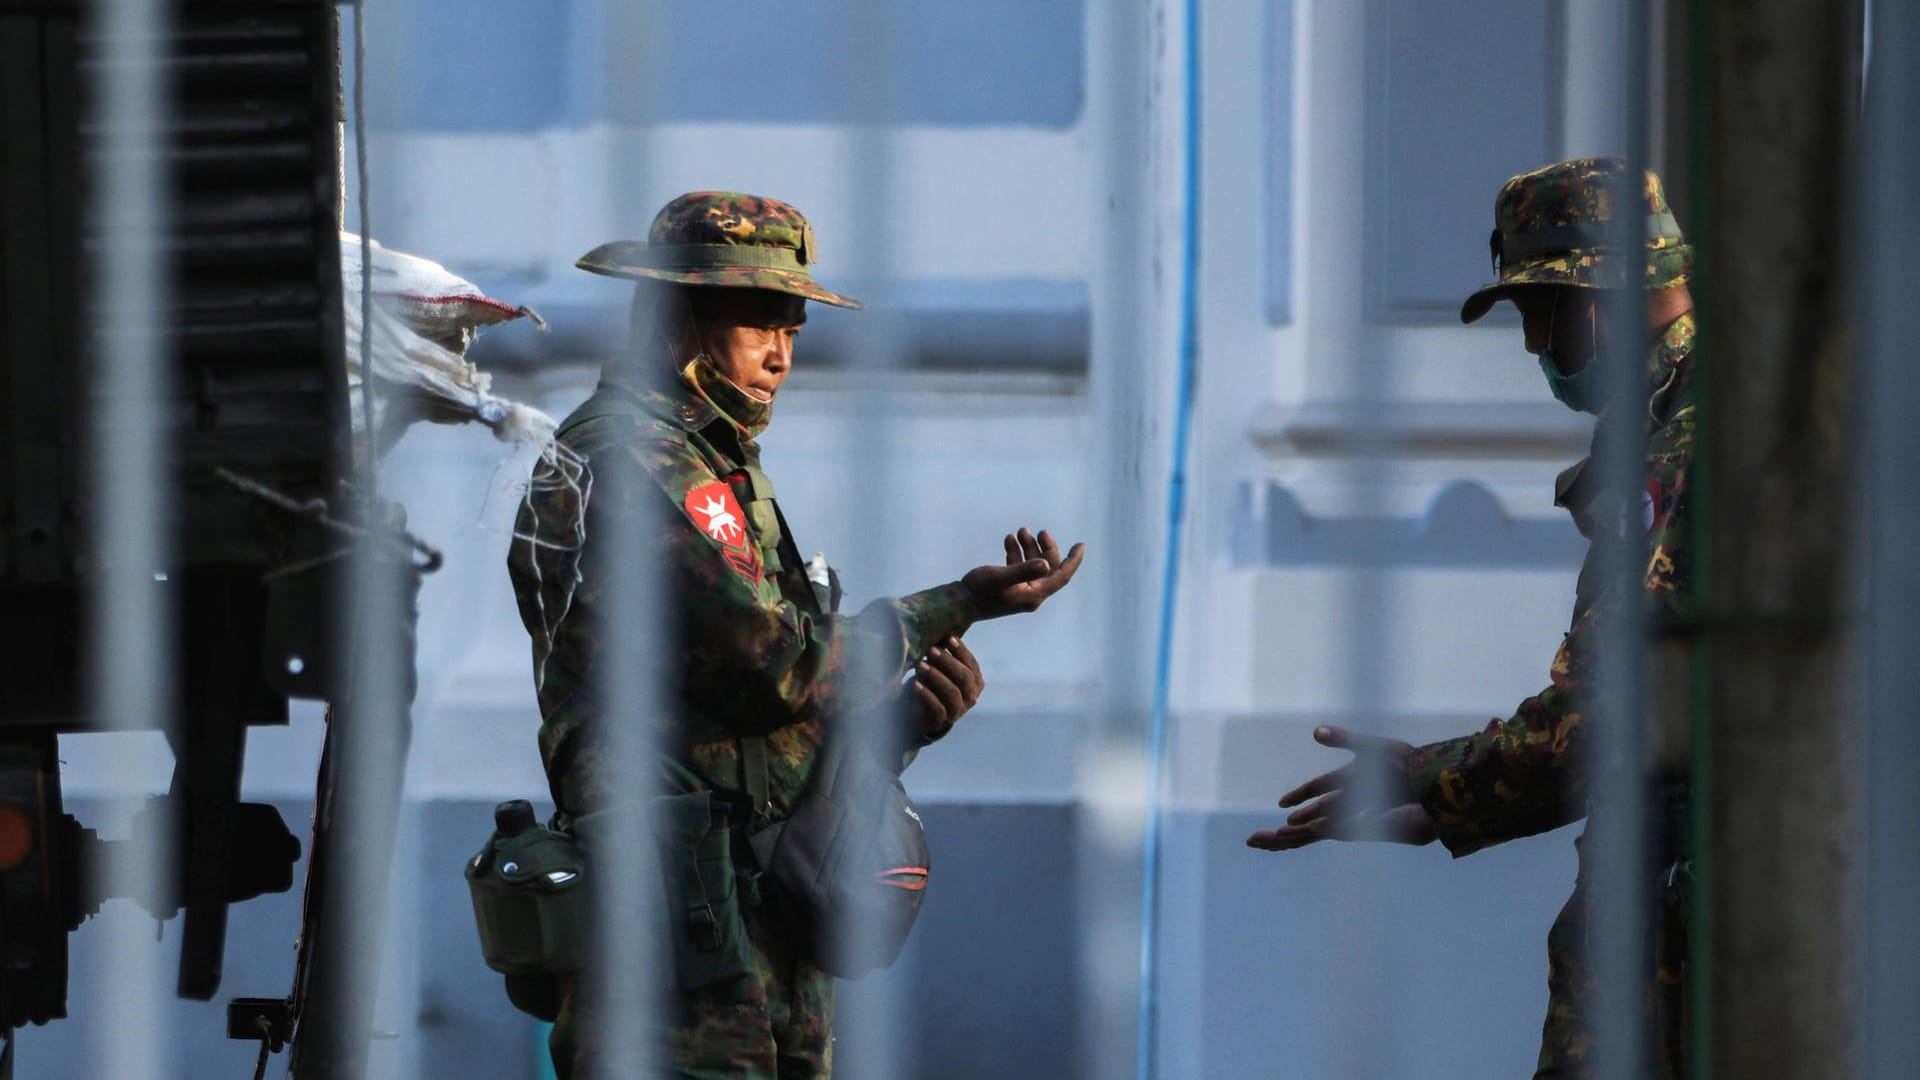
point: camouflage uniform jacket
(753, 653)
(1527, 774)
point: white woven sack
(424, 317)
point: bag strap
(790, 554)
(763, 510)
(753, 774)
(753, 748)
(789, 551)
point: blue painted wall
(1465, 526)
(1279, 101)
(988, 981)
(1466, 94)
(989, 985)
(528, 65)
(1354, 960)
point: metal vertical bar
(1779, 325)
(629, 985)
(1123, 108)
(876, 398)
(1362, 871)
(369, 716)
(1701, 901)
(129, 613)
(1892, 517)
(1615, 840)
(1363, 1048)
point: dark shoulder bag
(848, 867)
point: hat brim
(1549, 271)
(606, 260)
(1476, 306)
(1669, 263)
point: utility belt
(843, 875)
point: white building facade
(1369, 537)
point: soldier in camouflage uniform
(1528, 773)
(763, 663)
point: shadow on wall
(1464, 526)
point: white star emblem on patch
(721, 524)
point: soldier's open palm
(1365, 799)
(1034, 571)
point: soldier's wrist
(937, 613)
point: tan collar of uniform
(665, 394)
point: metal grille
(1175, 278)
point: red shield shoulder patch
(1653, 514)
(717, 513)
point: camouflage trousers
(1567, 1039)
(774, 1023)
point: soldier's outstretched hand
(1034, 571)
(1365, 799)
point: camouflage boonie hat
(723, 238)
(1553, 226)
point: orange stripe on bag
(912, 878)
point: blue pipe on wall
(1170, 572)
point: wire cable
(1170, 571)
(371, 477)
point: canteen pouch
(529, 906)
(849, 866)
(699, 887)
